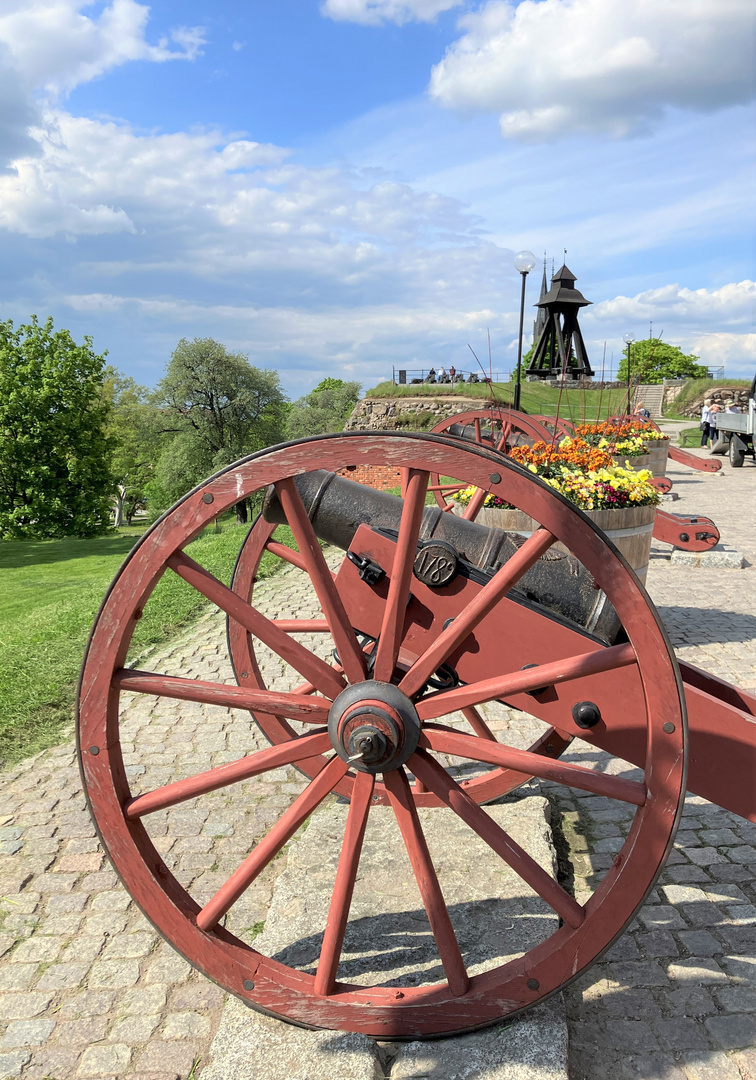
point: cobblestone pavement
(675, 998)
(87, 989)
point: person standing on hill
(705, 421)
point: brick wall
(380, 477)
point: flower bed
(584, 474)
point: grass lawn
(49, 594)
(535, 397)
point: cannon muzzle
(558, 582)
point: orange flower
(574, 454)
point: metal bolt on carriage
(428, 621)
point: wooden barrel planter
(658, 452)
(642, 461)
(655, 459)
(629, 529)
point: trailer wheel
(736, 452)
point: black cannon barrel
(337, 507)
(467, 431)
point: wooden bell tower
(560, 350)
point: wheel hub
(374, 726)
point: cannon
(424, 621)
(504, 428)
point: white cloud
(89, 176)
(714, 324)
(736, 352)
(377, 12)
(732, 305)
(54, 47)
(556, 67)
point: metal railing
(432, 376)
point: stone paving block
(697, 969)
(714, 1065)
(737, 999)
(12, 1064)
(690, 1000)
(656, 944)
(87, 1003)
(116, 974)
(20, 1033)
(718, 558)
(134, 1030)
(699, 943)
(732, 1032)
(143, 1000)
(18, 976)
(105, 1060)
(23, 1006)
(251, 1046)
(172, 1057)
(640, 973)
(681, 1033)
(81, 1032)
(535, 1048)
(63, 976)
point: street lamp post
(628, 339)
(524, 263)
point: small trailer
(736, 432)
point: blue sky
(337, 187)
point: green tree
(55, 477)
(326, 408)
(135, 425)
(653, 360)
(218, 408)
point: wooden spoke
(299, 749)
(232, 697)
(406, 550)
(474, 505)
(301, 659)
(343, 887)
(435, 777)
(303, 626)
(501, 445)
(400, 796)
(522, 682)
(351, 655)
(286, 553)
(499, 585)
(271, 844)
(524, 761)
(477, 723)
(448, 489)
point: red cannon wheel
(495, 428)
(564, 428)
(634, 689)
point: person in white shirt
(442, 374)
(730, 406)
(705, 421)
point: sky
(339, 187)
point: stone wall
(407, 413)
(718, 394)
